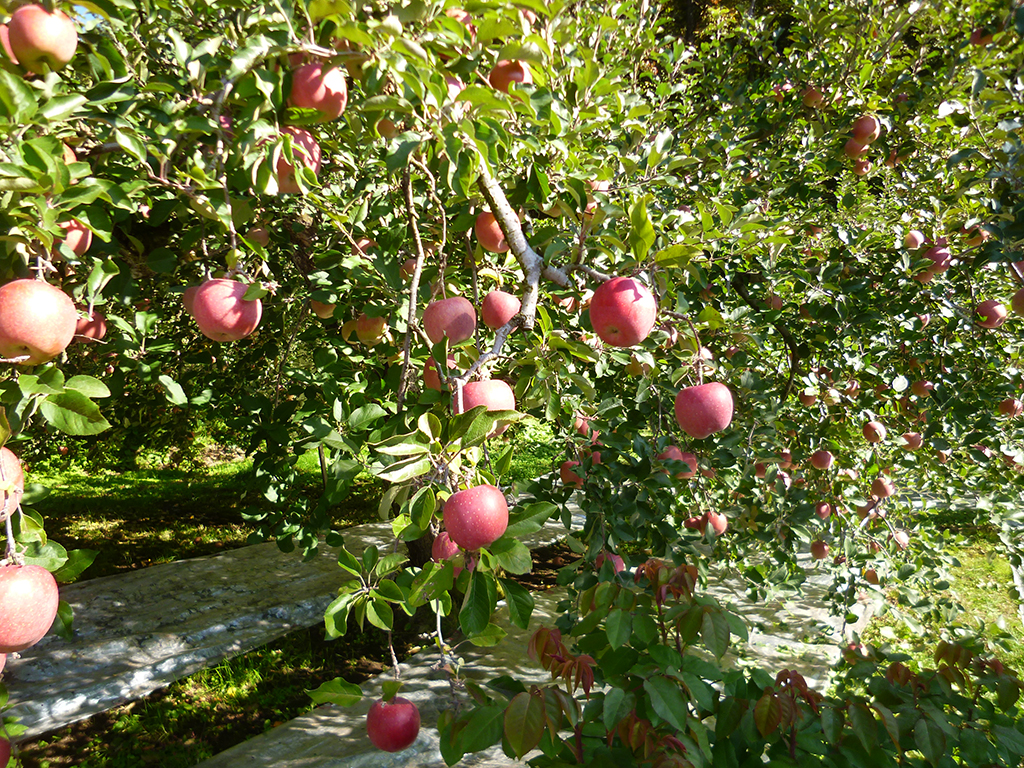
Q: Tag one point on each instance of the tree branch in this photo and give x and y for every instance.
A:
(794, 352)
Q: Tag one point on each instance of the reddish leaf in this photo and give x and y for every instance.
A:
(767, 713)
(525, 719)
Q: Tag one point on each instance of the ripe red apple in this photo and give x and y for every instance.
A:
(494, 394)
(882, 487)
(913, 240)
(912, 440)
(977, 236)
(37, 320)
(321, 309)
(874, 431)
(819, 550)
(719, 523)
(1011, 407)
(454, 318)
(393, 725)
(5, 44)
(506, 72)
(673, 453)
(623, 311)
(305, 150)
(902, 539)
(1017, 302)
(807, 398)
(980, 36)
(570, 478)
(443, 548)
(704, 409)
(94, 328)
(940, 256)
(617, 562)
(812, 97)
(313, 88)
(498, 308)
(370, 330)
(489, 234)
(854, 149)
(823, 510)
(582, 425)
(773, 301)
(785, 459)
(408, 269)
(41, 41)
(871, 576)
(760, 469)
(476, 517)
(77, 237)
(821, 460)
(866, 129)
(13, 480)
(991, 314)
(28, 605)
(431, 379)
(222, 314)
(696, 523)
(862, 167)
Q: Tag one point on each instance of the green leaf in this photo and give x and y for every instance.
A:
(380, 615)
(668, 701)
(530, 520)
(73, 413)
(864, 726)
(402, 471)
(641, 235)
(63, 622)
(715, 631)
(390, 563)
(386, 589)
(483, 729)
(519, 601)
(512, 555)
(618, 626)
(17, 99)
(479, 603)
(337, 692)
(930, 739)
(248, 55)
(361, 418)
(491, 636)
(336, 615)
(133, 145)
(525, 720)
(767, 713)
(88, 386)
(77, 561)
(172, 390)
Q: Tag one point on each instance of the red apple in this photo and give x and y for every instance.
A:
(454, 318)
(874, 431)
(37, 321)
(5, 44)
(882, 487)
(431, 379)
(673, 453)
(977, 236)
(991, 314)
(812, 97)
(489, 234)
(94, 328)
(386, 128)
(819, 550)
(618, 564)
(370, 330)
(321, 309)
(980, 36)
(1011, 407)
(28, 606)
(498, 308)
(807, 398)
(1017, 302)
(476, 517)
(570, 478)
(940, 256)
(443, 548)
(862, 167)
(494, 394)
(760, 469)
(222, 314)
(871, 576)
(77, 237)
(773, 301)
(704, 410)
(313, 88)
(12, 480)
(393, 725)
(785, 459)
(854, 149)
(623, 311)
(866, 129)
(902, 539)
(912, 440)
(821, 460)
(408, 269)
(823, 510)
(506, 72)
(305, 150)
(455, 87)
(41, 41)
(913, 240)
(719, 522)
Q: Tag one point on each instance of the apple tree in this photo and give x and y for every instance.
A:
(760, 285)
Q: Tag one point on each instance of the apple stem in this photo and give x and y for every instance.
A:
(394, 659)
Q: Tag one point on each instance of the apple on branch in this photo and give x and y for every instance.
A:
(221, 311)
(623, 311)
(28, 606)
(476, 517)
(91, 328)
(454, 318)
(494, 394)
(703, 410)
(507, 71)
(498, 308)
(37, 321)
(489, 234)
(393, 725)
(41, 41)
(315, 88)
(305, 150)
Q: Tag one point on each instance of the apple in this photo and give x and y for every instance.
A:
(370, 330)
(5, 744)
(812, 97)
(980, 36)
(454, 318)
(305, 150)
(313, 88)
(595, 186)
(992, 314)
(476, 517)
(506, 72)
(785, 459)
(37, 321)
(773, 301)
(443, 548)
(866, 129)
(882, 487)
(408, 268)
(1017, 302)
(902, 539)
(222, 313)
(760, 470)
(455, 87)
(862, 167)
(498, 308)
(807, 398)
(673, 453)
(258, 235)
(431, 379)
(823, 510)
(977, 237)
(582, 426)
(704, 409)
(5, 43)
(913, 240)
(489, 233)
(495, 394)
(871, 576)
(617, 562)
(874, 431)
(912, 440)
(393, 725)
(623, 311)
(41, 41)
(28, 606)
(321, 309)
(719, 523)
(854, 149)
(696, 523)
(940, 256)
(779, 91)
(819, 550)
(77, 237)
(13, 480)
(1011, 407)
(569, 478)
(93, 328)
(922, 388)
(821, 460)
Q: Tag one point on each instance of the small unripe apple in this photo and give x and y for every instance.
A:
(77, 237)
(990, 313)
(874, 431)
(819, 550)
(393, 725)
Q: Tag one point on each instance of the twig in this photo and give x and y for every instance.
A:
(414, 287)
(794, 352)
